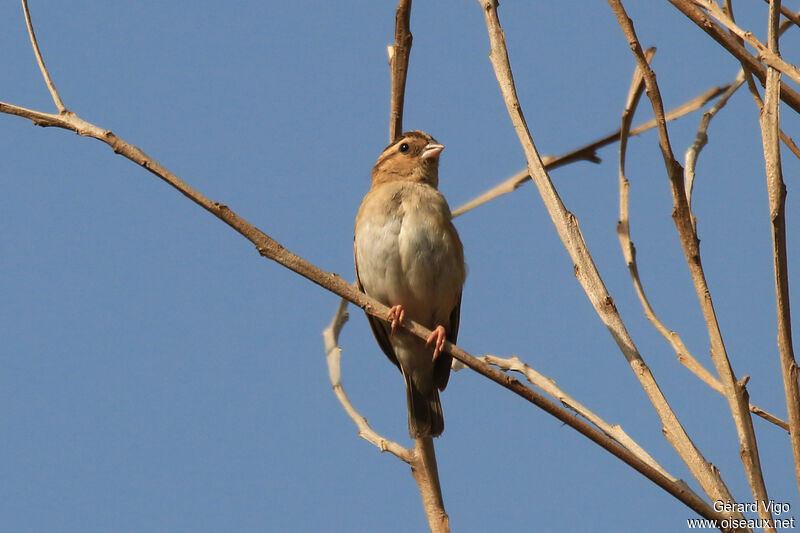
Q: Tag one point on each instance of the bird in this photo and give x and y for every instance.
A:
(408, 256)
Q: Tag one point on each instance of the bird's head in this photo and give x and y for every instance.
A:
(412, 157)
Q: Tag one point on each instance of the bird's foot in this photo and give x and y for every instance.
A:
(396, 316)
(437, 338)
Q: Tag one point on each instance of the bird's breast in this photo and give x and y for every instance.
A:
(408, 251)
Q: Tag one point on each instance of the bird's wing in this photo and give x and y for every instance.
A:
(380, 328)
(441, 369)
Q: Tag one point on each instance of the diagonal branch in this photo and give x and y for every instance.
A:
(791, 17)
(734, 390)
(554, 391)
(584, 153)
(271, 249)
(749, 62)
(701, 139)
(789, 143)
(772, 59)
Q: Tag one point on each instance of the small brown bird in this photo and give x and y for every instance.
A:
(409, 257)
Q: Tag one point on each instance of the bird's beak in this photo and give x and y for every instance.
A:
(432, 150)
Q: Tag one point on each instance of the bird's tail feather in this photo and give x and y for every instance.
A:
(424, 411)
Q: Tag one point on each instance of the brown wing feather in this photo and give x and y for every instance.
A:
(380, 328)
(441, 370)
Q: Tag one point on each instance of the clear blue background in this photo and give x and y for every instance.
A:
(157, 375)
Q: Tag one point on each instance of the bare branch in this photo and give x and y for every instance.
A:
(422, 459)
(398, 65)
(584, 153)
(549, 386)
(46, 75)
(333, 355)
(769, 119)
(701, 138)
(734, 390)
(426, 474)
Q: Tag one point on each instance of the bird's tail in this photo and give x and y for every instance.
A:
(424, 411)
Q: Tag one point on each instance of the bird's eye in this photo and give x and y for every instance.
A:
(404, 147)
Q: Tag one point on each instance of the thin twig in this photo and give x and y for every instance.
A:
(747, 72)
(333, 355)
(735, 390)
(549, 386)
(585, 270)
(584, 153)
(701, 138)
(422, 458)
(398, 65)
(769, 119)
(790, 144)
(47, 80)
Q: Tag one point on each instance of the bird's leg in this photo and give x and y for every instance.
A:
(396, 316)
(437, 337)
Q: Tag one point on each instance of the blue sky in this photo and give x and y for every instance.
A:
(158, 375)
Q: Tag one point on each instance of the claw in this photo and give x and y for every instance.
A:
(396, 316)
(439, 336)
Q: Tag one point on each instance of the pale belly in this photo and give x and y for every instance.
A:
(409, 258)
